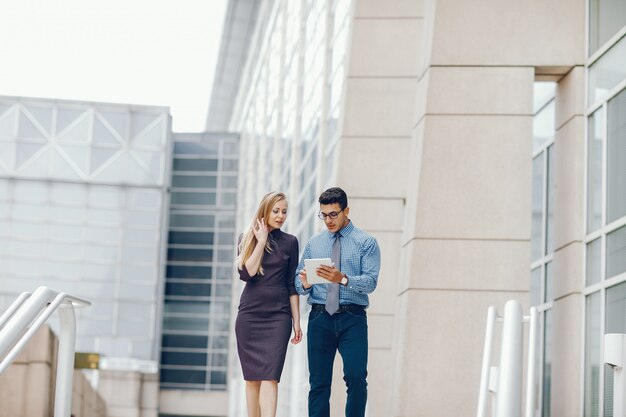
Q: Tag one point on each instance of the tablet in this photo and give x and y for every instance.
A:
(311, 266)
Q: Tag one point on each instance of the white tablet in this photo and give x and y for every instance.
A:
(311, 266)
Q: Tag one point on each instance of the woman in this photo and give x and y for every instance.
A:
(269, 306)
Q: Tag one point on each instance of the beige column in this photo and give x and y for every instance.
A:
(374, 156)
(569, 200)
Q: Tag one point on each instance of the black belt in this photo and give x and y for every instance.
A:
(342, 308)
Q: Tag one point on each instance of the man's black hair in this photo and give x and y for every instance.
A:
(334, 195)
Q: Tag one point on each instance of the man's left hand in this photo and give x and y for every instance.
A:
(330, 273)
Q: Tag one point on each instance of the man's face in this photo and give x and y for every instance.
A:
(328, 211)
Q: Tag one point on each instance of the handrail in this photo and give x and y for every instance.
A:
(507, 391)
(22, 320)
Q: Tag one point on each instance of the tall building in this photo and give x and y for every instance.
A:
(83, 200)
(199, 275)
(483, 144)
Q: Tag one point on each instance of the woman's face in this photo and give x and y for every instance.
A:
(278, 215)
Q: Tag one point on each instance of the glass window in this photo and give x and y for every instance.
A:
(183, 358)
(187, 307)
(550, 202)
(607, 72)
(194, 181)
(615, 323)
(537, 208)
(192, 220)
(193, 198)
(186, 323)
(184, 341)
(592, 355)
(197, 238)
(535, 287)
(547, 363)
(195, 255)
(189, 271)
(606, 18)
(594, 257)
(195, 148)
(594, 171)
(549, 282)
(183, 376)
(616, 252)
(616, 156)
(195, 164)
(187, 289)
(543, 126)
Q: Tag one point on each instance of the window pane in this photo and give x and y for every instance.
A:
(192, 181)
(181, 271)
(607, 72)
(187, 289)
(606, 18)
(592, 355)
(187, 307)
(535, 287)
(195, 164)
(186, 323)
(189, 220)
(616, 252)
(193, 148)
(183, 377)
(178, 341)
(593, 261)
(615, 323)
(193, 198)
(543, 126)
(547, 363)
(550, 202)
(197, 255)
(191, 238)
(616, 156)
(549, 296)
(594, 172)
(183, 358)
(537, 208)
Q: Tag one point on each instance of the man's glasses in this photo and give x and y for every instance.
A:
(333, 214)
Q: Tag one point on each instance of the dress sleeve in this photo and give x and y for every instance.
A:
(293, 264)
(243, 272)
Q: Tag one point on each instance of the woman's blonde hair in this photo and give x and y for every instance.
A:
(248, 241)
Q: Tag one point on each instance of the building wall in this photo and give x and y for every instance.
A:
(82, 200)
(27, 386)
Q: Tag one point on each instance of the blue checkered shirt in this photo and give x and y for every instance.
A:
(360, 261)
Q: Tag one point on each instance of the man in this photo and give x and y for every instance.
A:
(337, 320)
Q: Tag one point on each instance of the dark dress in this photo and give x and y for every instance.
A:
(263, 323)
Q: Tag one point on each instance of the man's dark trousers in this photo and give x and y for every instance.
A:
(345, 331)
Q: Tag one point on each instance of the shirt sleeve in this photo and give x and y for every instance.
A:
(293, 263)
(243, 272)
(366, 282)
(298, 282)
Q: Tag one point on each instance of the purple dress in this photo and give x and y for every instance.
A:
(264, 323)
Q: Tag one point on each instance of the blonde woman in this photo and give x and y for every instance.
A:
(269, 305)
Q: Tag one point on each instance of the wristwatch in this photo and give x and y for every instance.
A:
(344, 280)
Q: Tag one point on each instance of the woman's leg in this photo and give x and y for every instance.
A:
(252, 398)
(268, 398)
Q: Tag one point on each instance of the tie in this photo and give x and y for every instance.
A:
(332, 295)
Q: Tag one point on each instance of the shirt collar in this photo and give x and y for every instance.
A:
(345, 231)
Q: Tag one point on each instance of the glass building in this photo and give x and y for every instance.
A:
(83, 201)
(200, 253)
(484, 147)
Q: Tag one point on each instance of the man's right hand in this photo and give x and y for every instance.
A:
(305, 283)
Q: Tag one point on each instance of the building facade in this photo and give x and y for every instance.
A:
(475, 139)
(83, 200)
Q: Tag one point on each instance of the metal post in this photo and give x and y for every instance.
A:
(65, 361)
(510, 377)
(531, 393)
(484, 374)
(615, 356)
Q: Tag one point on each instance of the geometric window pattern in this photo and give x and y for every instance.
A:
(199, 268)
(87, 142)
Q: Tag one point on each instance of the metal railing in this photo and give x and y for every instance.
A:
(505, 381)
(21, 321)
